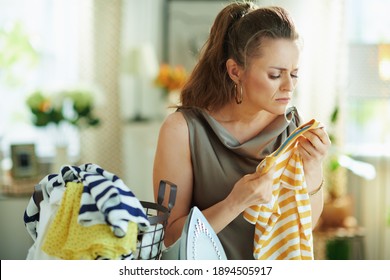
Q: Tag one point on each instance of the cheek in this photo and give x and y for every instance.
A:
(264, 86)
(258, 82)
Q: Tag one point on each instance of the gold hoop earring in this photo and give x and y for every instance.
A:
(238, 95)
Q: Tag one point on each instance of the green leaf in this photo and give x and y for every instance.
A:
(334, 164)
(335, 114)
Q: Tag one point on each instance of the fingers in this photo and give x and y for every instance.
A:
(254, 188)
(305, 147)
(318, 138)
(314, 144)
(321, 134)
(262, 184)
(258, 175)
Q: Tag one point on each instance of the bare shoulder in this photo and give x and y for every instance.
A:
(173, 140)
(175, 126)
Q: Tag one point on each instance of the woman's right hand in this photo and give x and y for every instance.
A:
(252, 189)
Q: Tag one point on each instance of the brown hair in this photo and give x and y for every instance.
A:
(237, 33)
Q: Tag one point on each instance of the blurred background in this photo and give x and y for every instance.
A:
(92, 80)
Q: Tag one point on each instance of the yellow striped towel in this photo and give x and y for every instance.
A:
(283, 226)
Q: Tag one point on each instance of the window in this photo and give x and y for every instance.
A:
(367, 103)
(51, 29)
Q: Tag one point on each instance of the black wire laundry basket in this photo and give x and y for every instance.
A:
(150, 241)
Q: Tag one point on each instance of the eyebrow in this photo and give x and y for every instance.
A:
(283, 69)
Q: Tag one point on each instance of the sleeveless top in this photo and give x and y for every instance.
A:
(219, 161)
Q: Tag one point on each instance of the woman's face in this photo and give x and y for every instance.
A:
(270, 80)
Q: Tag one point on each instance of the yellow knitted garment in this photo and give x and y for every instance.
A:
(283, 228)
(69, 240)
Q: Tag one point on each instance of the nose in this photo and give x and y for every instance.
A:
(288, 84)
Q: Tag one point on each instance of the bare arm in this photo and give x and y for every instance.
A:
(313, 147)
(173, 163)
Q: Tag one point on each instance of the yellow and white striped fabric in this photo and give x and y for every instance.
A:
(283, 226)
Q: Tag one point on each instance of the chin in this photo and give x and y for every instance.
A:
(280, 110)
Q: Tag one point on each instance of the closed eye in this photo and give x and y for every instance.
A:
(294, 76)
(274, 77)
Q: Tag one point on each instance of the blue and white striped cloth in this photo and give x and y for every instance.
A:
(105, 199)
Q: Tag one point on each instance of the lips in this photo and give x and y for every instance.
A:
(284, 99)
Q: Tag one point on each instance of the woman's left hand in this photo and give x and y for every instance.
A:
(313, 148)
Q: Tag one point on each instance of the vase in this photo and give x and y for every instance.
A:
(60, 159)
(59, 135)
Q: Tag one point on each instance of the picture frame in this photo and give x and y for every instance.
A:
(24, 161)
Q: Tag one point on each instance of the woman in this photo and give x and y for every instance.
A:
(234, 112)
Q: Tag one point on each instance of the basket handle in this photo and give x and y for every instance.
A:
(172, 193)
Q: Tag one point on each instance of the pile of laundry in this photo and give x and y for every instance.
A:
(84, 213)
